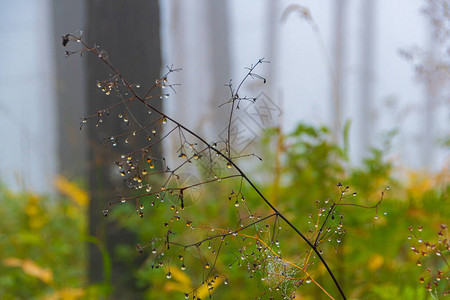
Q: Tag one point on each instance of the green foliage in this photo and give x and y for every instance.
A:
(373, 260)
(42, 248)
(43, 241)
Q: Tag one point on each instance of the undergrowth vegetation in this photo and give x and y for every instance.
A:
(43, 241)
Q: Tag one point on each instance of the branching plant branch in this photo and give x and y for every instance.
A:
(226, 156)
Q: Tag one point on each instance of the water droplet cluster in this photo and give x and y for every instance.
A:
(432, 254)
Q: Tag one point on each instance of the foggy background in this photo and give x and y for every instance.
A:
(342, 64)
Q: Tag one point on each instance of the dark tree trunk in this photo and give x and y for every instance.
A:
(129, 32)
(70, 90)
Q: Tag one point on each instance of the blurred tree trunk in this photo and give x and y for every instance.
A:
(219, 60)
(129, 33)
(70, 90)
(432, 91)
(198, 41)
(339, 35)
(365, 113)
(272, 44)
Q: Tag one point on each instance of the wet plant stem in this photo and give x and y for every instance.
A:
(277, 213)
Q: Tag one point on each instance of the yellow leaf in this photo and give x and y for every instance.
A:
(203, 291)
(37, 218)
(69, 189)
(175, 286)
(181, 276)
(12, 262)
(375, 262)
(183, 284)
(183, 281)
(30, 268)
(32, 208)
(66, 294)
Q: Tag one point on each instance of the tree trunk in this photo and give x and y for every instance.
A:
(366, 117)
(339, 61)
(70, 89)
(129, 33)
